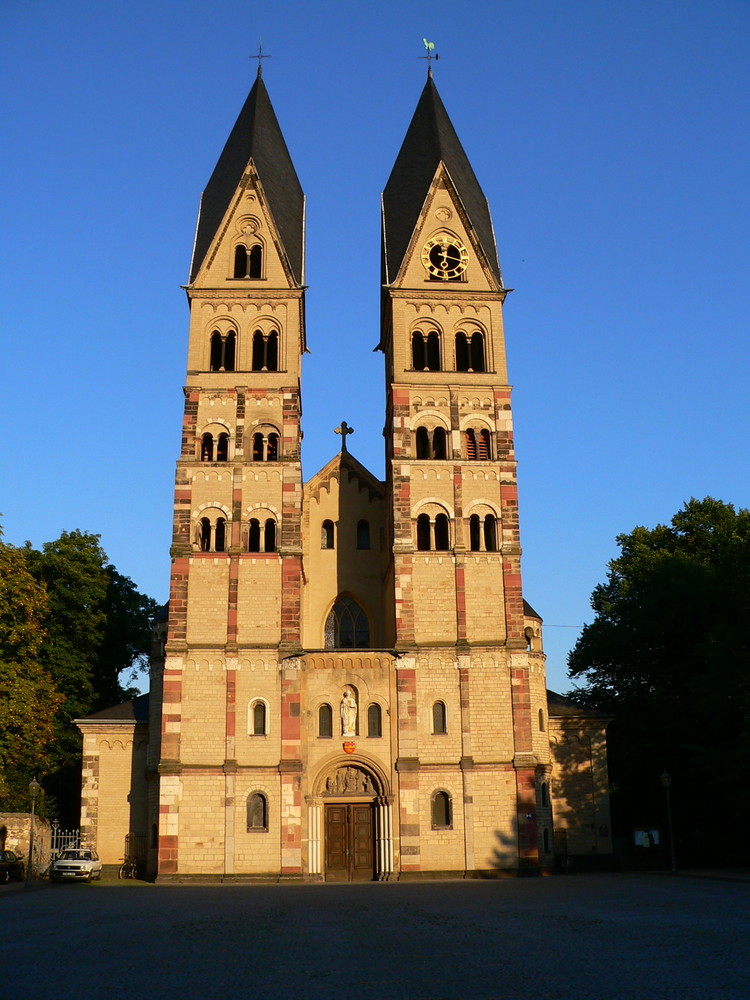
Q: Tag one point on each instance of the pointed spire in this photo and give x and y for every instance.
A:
(256, 136)
(429, 140)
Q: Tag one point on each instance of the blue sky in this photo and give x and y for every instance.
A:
(612, 140)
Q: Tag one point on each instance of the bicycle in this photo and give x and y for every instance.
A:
(128, 869)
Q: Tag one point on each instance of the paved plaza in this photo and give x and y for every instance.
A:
(576, 937)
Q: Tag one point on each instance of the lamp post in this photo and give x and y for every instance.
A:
(34, 789)
(666, 784)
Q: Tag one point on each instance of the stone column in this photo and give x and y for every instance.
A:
(384, 837)
(314, 836)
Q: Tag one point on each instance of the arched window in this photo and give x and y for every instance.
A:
(347, 626)
(433, 351)
(418, 351)
(265, 351)
(431, 446)
(248, 263)
(255, 269)
(474, 533)
(269, 535)
(439, 721)
(326, 535)
(541, 720)
(470, 352)
(253, 535)
(220, 535)
(442, 818)
(485, 449)
(477, 352)
(325, 722)
(433, 533)
(261, 540)
(257, 813)
(425, 351)
(229, 349)
(363, 534)
(207, 448)
(211, 534)
(423, 532)
(374, 721)
(217, 351)
(222, 448)
(240, 261)
(265, 446)
(258, 719)
(205, 540)
(528, 635)
(490, 533)
(471, 444)
(438, 443)
(222, 351)
(462, 352)
(442, 533)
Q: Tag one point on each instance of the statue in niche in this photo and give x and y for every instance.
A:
(349, 712)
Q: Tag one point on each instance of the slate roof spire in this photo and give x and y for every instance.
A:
(256, 136)
(429, 140)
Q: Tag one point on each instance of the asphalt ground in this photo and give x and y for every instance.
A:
(574, 937)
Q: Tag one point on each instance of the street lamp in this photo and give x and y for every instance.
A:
(34, 789)
(666, 784)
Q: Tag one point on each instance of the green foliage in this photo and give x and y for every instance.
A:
(71, 628)
(668, 654)
(28, 698)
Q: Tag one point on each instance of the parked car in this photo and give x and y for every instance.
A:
(80, 863)
(11, 866)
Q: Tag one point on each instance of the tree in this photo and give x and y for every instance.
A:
(98, 627)
(28, 697)
(72, 629)
(668, 655)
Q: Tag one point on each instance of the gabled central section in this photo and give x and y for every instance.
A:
(345, 559)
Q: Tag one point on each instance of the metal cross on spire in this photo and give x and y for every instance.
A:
(431, 54)
(259, 57)
(343, 430)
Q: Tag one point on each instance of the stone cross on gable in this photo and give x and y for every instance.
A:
(343, 430)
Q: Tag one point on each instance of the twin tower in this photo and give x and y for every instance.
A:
(352, 686)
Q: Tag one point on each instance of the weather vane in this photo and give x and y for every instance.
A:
(260, 56)
(431, 54)
(343, 430)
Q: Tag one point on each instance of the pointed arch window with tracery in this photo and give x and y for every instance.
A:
(347, 626)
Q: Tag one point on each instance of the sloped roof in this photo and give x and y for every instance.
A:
(135, 710)
(429, 140)
(529, 612)
(344, 461)
(559, 705)
(256, 136)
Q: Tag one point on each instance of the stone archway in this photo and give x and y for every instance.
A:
(350, 823)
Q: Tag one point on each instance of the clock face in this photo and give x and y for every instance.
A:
(445, 257)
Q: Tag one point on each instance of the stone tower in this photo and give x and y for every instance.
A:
(236, 552)
(465, 658)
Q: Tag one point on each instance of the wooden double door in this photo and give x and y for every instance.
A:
(349, 833)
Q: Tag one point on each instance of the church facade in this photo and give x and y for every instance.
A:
(349, 683)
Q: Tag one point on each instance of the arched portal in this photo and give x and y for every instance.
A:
(350, 822)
